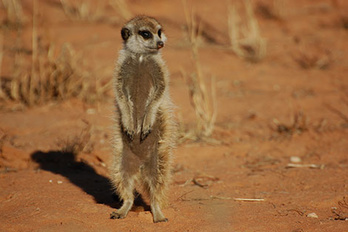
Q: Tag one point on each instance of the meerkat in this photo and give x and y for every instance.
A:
(145, 129)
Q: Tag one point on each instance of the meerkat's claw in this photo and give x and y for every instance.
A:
(144, 134)
(161, 220)
(115, 215)
(130, 134)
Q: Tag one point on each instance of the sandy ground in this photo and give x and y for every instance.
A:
(289, 108)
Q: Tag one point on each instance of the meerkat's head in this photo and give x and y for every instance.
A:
(142, 35)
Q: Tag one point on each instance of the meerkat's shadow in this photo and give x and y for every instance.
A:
(82, 175)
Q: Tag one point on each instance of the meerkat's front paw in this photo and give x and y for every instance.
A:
(128, 128)
(130, 134)
(146, 126)
(145, 131)
(144, 134)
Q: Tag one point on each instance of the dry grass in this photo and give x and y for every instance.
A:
(3, 137)
(313, 59)
(78, 143)
(55, 74)
(202, 99)
(14, 13)
(344, 22)
(83, 10)
(297, 125)
(245, 38)
(121, 7)
(2, 94)
(341, 213)
(272, 10)
(53, 78)
(94, 11)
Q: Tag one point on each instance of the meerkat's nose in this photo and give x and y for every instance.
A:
(160, 44)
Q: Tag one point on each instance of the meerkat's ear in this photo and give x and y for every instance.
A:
(125, 32)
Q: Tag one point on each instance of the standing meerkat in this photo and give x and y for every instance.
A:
(145, 129)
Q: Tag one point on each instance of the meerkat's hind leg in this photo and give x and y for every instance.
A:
(156, 191)
(123, 211)
(126, 192)
(157, 213)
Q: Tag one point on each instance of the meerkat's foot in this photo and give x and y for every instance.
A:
(147, 124)
(164, 219)
(157, 213)
(116, 215)
(123, 211)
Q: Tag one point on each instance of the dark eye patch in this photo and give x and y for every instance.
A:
(145, 34)
(159, 33)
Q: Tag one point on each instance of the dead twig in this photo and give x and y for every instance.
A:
(249, 199)
(337, 112)
(186, 183)
(204, 181)
(315, 166)
(342, 212)
(211, 197)
(220, 198)
(181, 197)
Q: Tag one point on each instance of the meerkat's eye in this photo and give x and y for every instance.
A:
(159, 33)
(145, 34)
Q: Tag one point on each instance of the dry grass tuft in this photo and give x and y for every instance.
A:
(2, 94)
(272, 10)
(14, 13)
(341, 213)
(203, 99)
(83, 10)
(344, 22)
(313, 60)
(121, 7)
(78, 143)
(94, 11)
(55, 74)
(53, 78)
(246, 40)
(3, 137)
(298, 125)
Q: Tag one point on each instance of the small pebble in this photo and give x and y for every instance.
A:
(312, 215)
(59, 182)
(295, 159)
(50, 181)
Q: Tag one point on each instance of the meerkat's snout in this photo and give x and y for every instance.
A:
(160, 44)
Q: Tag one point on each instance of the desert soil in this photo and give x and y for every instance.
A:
(280, 135)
